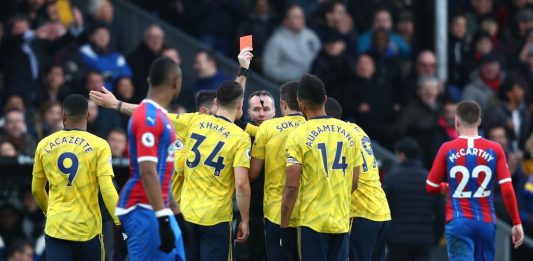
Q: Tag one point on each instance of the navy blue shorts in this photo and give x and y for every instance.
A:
(211, 243)
(322, 246)
(60, 249)
(274, 250)
(470, 240)
(368, 239)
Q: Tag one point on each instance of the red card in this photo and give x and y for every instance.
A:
(246, 41)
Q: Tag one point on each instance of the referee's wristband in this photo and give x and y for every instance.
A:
(164, 212)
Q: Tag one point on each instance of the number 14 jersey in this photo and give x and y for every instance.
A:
(471, 166)
(213, 146)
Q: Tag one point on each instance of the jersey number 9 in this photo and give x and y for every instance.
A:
(72, 170)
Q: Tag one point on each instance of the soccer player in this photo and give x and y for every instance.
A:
(143, 208)
(216, 165)
(76, 164)
(269, 151)
(471, 165)
(369, 211)
(323, 163)
(205, 102)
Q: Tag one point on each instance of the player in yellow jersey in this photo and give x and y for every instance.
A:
(269, 151)
(323, 163)
(370, 210)
(215, 167)
(76, 164)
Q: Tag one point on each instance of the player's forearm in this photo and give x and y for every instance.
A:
(152, 187)
(256, 165)
(109, 195)
(509, 200)
(241, 80)
(290, 193)
(355, 181)
(126, 108)
(38, 189)
(243, 194)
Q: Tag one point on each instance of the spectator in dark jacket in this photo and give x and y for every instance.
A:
(417, 217)
(457, 50)
(140, 59)
(53, 88)
(15, 131)
(208, 76)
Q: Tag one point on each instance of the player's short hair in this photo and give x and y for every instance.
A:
(205, 98)
(311, 90)
(469, 112)
(262, 93)
(333, 108)
(75, 105)
(408, 146)
(288, 92)
(162, 71)
(229, 93)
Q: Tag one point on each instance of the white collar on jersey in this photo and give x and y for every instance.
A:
(468, 137)
(155, 104)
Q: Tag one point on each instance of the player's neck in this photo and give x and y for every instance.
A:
(227, 114)
(291, 112)
(160, 97)
(315, 113)
(75, 126)
(468, 132)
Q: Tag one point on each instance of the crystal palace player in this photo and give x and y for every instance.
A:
(471, 165)
(153, 233)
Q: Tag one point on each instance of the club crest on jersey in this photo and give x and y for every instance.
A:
(148, 139)
(292, 160)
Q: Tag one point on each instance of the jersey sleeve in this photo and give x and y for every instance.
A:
(358, 146)
(146, 136)
(242, 153)
(293, 149)
(502, 170)
(438, 171)
(103, 164)
(258, 150)
(181, 123)
(38, 169)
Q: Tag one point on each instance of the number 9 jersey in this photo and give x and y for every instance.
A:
(213, 146)
(471, 166)
(72, 161)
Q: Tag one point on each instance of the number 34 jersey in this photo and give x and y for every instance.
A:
(471, 166)
(213, 146)
(72, 161)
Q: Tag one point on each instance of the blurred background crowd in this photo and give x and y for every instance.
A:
(375, 56)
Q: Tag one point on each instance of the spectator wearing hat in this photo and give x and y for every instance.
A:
(332, 64)
(485, 83)
(417, 217)
(99, 56)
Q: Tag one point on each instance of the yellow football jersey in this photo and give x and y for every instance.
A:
(369, 200)
(213, 147)
(328, 151)
(269, 145)
(72, 161)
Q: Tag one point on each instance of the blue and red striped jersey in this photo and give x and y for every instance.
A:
(471, 166)
(151, 137)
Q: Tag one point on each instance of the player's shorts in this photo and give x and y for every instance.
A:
(142, 228)
(322, 246)
(368, 239)
(470, 240)
(60, 249)
(274, 250)
(211, 242)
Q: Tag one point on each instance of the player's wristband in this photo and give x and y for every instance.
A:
(119, 106)
(164, 212)
(243, 72)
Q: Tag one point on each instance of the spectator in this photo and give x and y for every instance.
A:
(93, 82)
(10, 224)
(50, 119)
(172, 53)
(485, 83)
(406, 27)
(332, 64)
(103, 12)
(512, 113)
(7, 149)
(369, 99)
(98, 55)
(524, 24)
(383, 20)
(291, 49)
(15, 131)
(337, 19)
(20, 250)
(457, 50)
(208, 76)
(53, 88)
(117, 142)
(419, 119)
(124, 90)
(260, 23)
(36, 11)
(426, 66)
(482, 46)
(480, 8)
(101, 120)
(417, 217)
(140, 59)
(363, 11)
(32, 217)
(447, 120)
(14, 102)
(387, 64)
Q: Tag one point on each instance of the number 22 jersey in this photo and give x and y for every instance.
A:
(471, 166)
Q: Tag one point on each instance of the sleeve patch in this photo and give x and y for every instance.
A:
(148, 139)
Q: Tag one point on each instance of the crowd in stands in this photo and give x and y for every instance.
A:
(363, 50)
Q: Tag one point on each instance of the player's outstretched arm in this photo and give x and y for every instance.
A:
(243, 194)
(109, 195)
(38, 189)
(290, 193)
(108, 100)
(256, 165)
(355, 181)
(244, 58)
